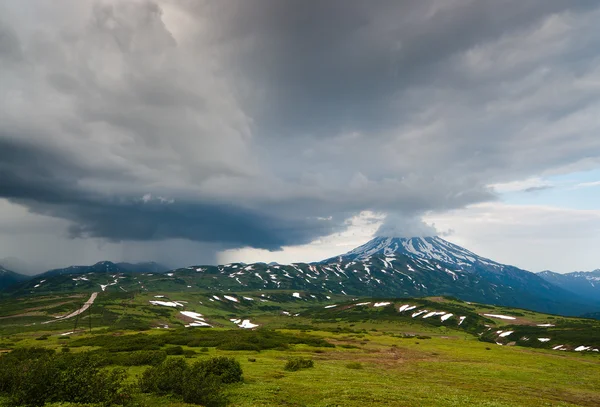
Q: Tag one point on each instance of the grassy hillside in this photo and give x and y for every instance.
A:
(369, 354)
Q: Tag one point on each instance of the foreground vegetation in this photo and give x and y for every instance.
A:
(343, 355)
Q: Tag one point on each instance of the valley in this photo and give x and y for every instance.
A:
(416, 351)
(411, 322)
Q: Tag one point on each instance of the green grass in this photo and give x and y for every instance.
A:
(403, 361)
(439, 371)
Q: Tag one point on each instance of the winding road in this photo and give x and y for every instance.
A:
(81, 310)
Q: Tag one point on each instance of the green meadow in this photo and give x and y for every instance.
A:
(362, 356)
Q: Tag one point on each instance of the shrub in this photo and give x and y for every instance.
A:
(201, 383)
(251, 360)
(227, 369)
(64, 349)
(164, 378)
(42, 338)
(124, 343)
(354, 365)
(33, 377)
(174, 350)
(298, 363)
(204, 390)
(138, 358)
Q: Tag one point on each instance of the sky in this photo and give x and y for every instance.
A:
(197, 132)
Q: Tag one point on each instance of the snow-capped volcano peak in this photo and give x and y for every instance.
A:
(428, 248)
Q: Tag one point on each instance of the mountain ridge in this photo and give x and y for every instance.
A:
(9, 278)
(584, 283)
(390, 267)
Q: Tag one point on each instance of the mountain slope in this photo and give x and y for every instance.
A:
(524, 288)
(584, 284)
(9, 278)
(108, 267)
(384, 267)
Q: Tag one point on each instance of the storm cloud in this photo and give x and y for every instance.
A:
(270, 123)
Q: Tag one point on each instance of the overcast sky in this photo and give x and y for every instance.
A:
(189, 132)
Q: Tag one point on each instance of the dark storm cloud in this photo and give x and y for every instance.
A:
(340, 65)
(269, 123)
(47, 182)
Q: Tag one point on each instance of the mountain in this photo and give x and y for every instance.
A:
(9, 278)
(108, 267)
(383, 267)
(585, 284)
(144, 267)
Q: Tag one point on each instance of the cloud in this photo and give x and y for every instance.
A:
(539, 188)
(533, 237)
(588, 184)
(269, 124)
(401, 226)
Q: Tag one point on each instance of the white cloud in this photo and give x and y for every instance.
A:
(360, 229)
(588, 184)
(534, 238)
(522, 185)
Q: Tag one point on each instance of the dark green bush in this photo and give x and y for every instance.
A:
(138, 358)
(226, 369)
(33, 377)
(201, 383)
(64, 349)
(298, 363)
(204, 390)
(165, 378)
(174, 350)
(354, 365)
(123, 343)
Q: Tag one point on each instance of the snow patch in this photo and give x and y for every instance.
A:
(167, 303)
(499, 316)
(198, 323)
(192, 314)
(416, 314)
(246, 324)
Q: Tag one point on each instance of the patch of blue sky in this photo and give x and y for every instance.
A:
(579, 190)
